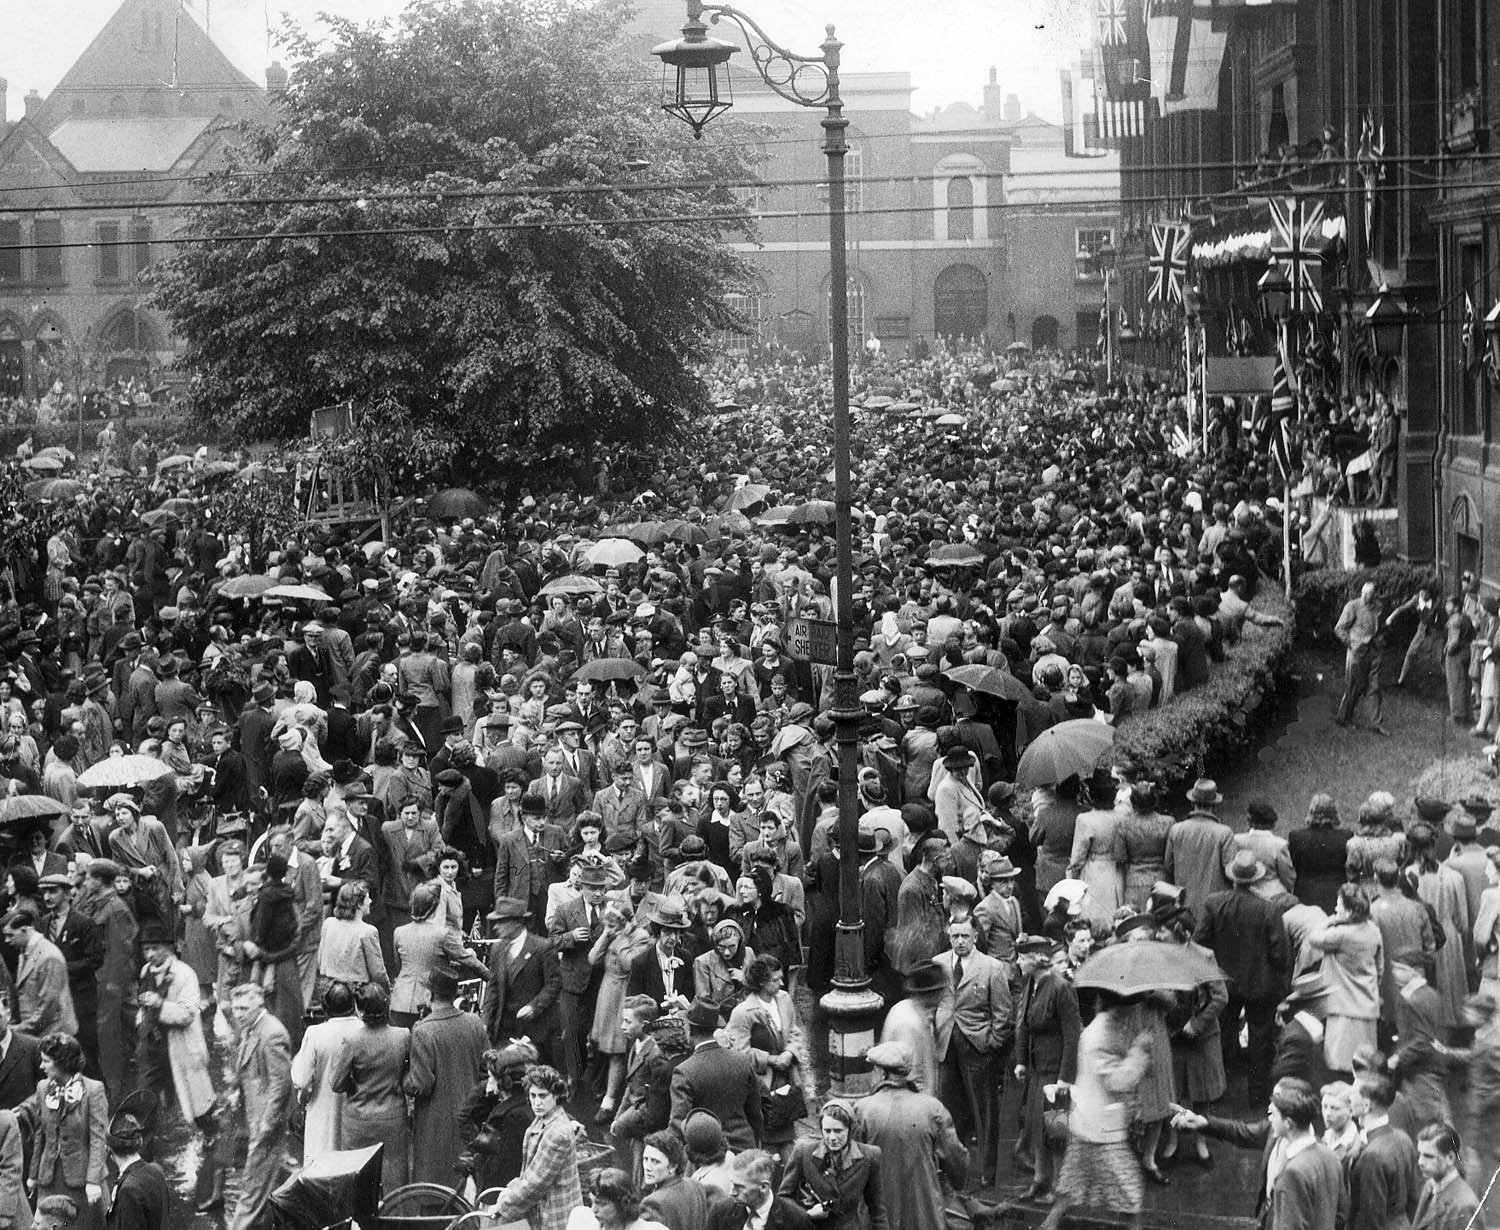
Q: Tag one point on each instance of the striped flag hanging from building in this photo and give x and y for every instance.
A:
(1187, 52)
(1118, 119)
(1283, 410)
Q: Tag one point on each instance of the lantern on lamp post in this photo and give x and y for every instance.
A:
(1385, 322)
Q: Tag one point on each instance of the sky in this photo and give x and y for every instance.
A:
(948, 46)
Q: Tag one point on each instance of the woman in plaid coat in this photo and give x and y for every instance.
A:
(547, 1189)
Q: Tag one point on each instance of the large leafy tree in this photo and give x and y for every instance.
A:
(497, 265)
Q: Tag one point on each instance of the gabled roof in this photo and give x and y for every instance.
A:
(148, 45)
(151, 143)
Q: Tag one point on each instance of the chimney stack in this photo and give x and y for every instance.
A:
(33, 102)
(1012, 108)
(276, 78)
(991, 106)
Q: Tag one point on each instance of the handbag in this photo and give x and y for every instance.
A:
(783, 1106)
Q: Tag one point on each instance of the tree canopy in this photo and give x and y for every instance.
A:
(448, 215)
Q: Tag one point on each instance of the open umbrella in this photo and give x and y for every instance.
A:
(457, 502)
(776, 515)
(249, 586)
(687, 531)
(255, 470)
(117, 772)
(1077, 377)
(52, 489)
(609, 670)
(175, 460)
(158, 518)
(180, 506)
(651, 533)
(1147, 965)
(750, 495)
(813, 512)
(1018, 348)
(30, 807)
(990, 680)
(217, 469)
(571, 586)
(299, 593)
(58, 451)
(612, 552)
(1061, 751)
(731, 522)
(1005, 386)
(956, 555)
(43, 463)
(951, 420)
(903, 407)
(879, 402)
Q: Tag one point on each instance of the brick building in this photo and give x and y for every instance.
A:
(130, 128)
(964, 222)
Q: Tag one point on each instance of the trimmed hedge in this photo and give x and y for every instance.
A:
(1320, 595)
(1175, 744)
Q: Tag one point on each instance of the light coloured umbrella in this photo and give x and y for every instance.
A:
(298, 593)
(951, 420)
(58, 451)
(43, 463)
(613, 552)
(749, 496)
(29, 807)
(571, 586)
(249, 586)
(115, 772)
(52, 489)
(1063, 751)
(174, 461)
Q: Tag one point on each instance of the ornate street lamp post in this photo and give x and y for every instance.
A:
(700, 92)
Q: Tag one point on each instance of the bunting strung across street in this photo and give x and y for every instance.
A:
(1170, 242)
(1297, 246)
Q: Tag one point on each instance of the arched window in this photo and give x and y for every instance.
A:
(856, 312)
(960, 302)
(960, 207)
(1044, 332)
(750, 306)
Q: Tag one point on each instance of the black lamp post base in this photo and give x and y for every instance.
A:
(854, 1009)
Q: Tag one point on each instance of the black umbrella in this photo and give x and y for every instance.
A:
(457, 502)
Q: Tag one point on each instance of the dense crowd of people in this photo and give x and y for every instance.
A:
(439, 841)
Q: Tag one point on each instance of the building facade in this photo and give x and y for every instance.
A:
(963, 223)
(88, 178)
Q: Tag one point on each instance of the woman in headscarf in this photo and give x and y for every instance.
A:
(719, 973)
(620, 941)
(494, 1118)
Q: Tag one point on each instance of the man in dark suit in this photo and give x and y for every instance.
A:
(1246, 934)
(230, 790)
(563, 796)
(1383, 1179)
(575, 928)
(139, 1198)
(353, 860)
(716, 1079)
(256, 723)
(662, 971)
(1300, 1020)
(646, 1105)
(753, 1202)
(343, 735)
(530, 858)
(20, 1065)
(82, 947)
(1308, 1193)
(525, 980)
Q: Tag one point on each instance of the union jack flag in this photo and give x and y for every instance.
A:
(1471, 332)
(1112, 22)
(1169, 261)
(1297, 246)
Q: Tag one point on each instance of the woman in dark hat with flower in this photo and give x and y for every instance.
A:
(494, 1117)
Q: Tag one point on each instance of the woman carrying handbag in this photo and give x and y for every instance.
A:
(764, 1026)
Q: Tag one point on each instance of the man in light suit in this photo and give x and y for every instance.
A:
(42, 1002)
(1200, 847)
(575, 928)
(263, 1072)
(525, 980)
(563, 795)
(411, 846)
(973, 1029)
(530, 858)
(622, 804)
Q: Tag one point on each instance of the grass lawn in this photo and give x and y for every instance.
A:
(1308, 753)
